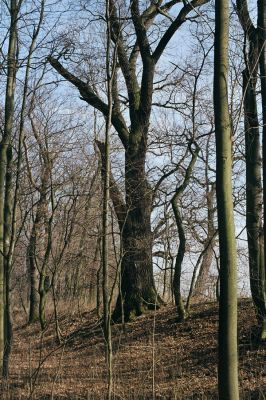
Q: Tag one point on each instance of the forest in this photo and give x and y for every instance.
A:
(132, 192)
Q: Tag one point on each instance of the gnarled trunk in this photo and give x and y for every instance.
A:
(137, 285)
(138, 290)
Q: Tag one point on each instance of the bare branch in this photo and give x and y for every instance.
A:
(88, 95)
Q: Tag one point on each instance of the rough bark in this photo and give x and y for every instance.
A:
(44, 279)
(107, 293)
(37, 256)
(262, 63)
(6, 195)
(33, 273)
(7, 261)
(181, 312)
(137, 287)
(134, 222)
(253, 163)
(253, 183)
(228, 358)
(32, 256)
(115, 193)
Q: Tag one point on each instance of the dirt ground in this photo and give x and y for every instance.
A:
(154, 358)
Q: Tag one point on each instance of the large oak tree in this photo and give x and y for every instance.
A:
(134, 214)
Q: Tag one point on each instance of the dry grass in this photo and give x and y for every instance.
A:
(155, 358)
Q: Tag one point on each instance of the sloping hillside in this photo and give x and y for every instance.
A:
(155, 358)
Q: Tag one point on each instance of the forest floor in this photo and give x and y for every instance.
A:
(155, 358)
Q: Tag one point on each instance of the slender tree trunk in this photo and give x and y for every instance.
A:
(254, 196)
(2, 267)
(254, 190)
(181, 312)
(6, 195)
(107, 297)
(228, 358)
(165, 276)
(44, 280)
(99, 280)
(30, 254)
(202, 279)
(7, 261)
(57, 327)
(262, 62)
(33, 275)
(36, 281)
(42, 301)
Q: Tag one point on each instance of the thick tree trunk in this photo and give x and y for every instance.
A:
(138, 291)
(137, 286)
(228, 358)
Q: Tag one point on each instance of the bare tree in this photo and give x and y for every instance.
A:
(181, 312)
(6, 200)
(261, 27)
(253, 164)
(138, 290)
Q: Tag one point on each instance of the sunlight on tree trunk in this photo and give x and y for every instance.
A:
(5, 194)
(228, 358)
